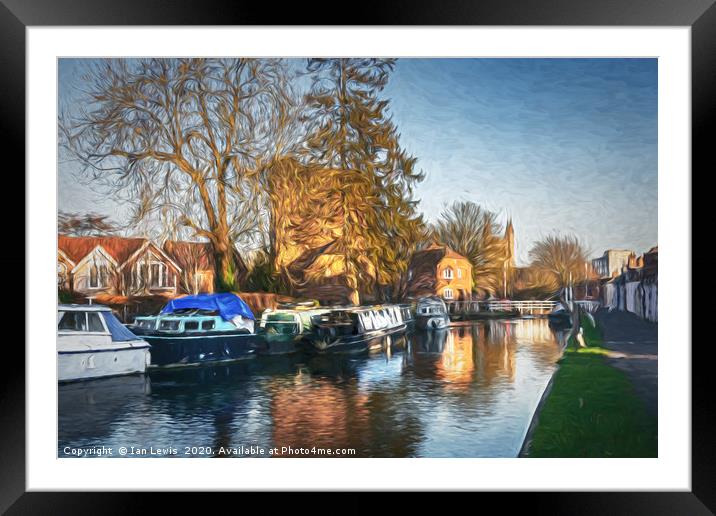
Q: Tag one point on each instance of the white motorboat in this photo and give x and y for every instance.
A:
(92, 343)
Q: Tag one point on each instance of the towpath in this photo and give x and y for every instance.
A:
(633, 347)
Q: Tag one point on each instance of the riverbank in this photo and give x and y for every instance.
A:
(602, 401)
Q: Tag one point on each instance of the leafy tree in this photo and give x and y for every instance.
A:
(473, 232)
(349, 129)
(187, 138)
(319, 221)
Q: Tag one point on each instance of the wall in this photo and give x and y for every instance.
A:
(456, 284)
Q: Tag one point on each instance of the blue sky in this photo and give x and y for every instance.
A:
(566, 145)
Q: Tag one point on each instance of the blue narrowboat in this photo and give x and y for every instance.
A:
(199, 329)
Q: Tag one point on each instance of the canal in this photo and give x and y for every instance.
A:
(469, 391)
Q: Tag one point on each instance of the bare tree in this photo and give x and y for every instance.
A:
(473, 232)
(84, 224)
(186, 140)
(563, 258)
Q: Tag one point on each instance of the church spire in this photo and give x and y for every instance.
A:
(510, 241)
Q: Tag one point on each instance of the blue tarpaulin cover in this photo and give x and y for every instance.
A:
(119, 332)
(228, 305)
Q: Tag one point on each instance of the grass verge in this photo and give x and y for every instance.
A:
(592, 410)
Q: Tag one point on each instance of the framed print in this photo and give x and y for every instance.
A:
(411, 258)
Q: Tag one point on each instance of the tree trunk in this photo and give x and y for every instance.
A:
(226, 273)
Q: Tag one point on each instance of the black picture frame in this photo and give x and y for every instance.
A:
(16, 15)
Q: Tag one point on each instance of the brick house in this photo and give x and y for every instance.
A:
(117, 266)
(438, 270)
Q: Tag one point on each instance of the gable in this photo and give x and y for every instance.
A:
(149, 253)
(98, 256)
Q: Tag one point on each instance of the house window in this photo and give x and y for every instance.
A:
(159, 274)
(142, 276)
(447, 293)
(447, 273)
(207, 325)
(97, 276)
(459, 273)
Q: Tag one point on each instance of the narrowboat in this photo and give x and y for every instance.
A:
(354, 330)
(92, 343)
(281, 330)
(431, 314)
(194, 330)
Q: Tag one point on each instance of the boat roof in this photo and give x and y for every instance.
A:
(83, 308)
(362, 308)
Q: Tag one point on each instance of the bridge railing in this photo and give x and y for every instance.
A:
(529, 307)
(455, 307)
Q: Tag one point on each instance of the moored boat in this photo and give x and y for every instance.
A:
(354, 330)
(431, 314)
(281, 330)
(92, 343)
(204, 328)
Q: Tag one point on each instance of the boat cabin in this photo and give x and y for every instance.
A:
(94, 322)
(186, 321)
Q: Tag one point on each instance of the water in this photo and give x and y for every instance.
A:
(469, 391)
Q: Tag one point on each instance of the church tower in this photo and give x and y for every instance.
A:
(509, 239)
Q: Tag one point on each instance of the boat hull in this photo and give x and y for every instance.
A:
(432, 322)
(484, 315)
(168, 351)
(279, 344)
(360, 343)
(101, 363)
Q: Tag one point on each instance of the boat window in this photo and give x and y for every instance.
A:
(367, 323)
(207, 325)
(169, 325)
(73, 321)
(282, 328)
(146, 323)
(94, 322)
(375, 320)
(191, 325)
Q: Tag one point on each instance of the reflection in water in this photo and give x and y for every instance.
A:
(467, 391)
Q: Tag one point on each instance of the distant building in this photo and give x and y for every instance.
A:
(612, 263)
(438, 270)
(650, 262)
(115, 266)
